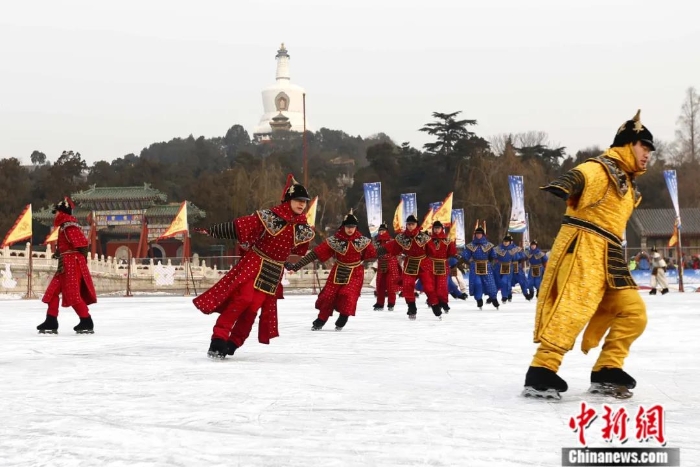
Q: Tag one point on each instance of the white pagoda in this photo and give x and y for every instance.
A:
(282, 102)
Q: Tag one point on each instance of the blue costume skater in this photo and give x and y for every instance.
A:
(479, 254)
(507, 269)
(538, 261)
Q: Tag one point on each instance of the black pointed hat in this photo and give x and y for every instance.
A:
(437, 224)
(632, 131)
(66, 205)
(534, 242)
(350, 220)
(479, 230)
(411, 218)
(383, 226)
(294, 190)
(508, 238)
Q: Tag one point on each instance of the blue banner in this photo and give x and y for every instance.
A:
(458, 226)
(373, 202)
(435, 206)
(517, 221)
(410, 205)
(672, 185)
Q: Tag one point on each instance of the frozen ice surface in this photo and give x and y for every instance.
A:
(385, 391)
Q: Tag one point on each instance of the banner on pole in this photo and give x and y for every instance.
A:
(672, 185)
(178, 225)
(457, 229)
(517, 222)
(399, 218)
(311, 212)
(373, 203)
(443, 211)
(410, 206)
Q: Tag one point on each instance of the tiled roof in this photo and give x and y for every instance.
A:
(114, 193)
(167, 211)
(659, 222)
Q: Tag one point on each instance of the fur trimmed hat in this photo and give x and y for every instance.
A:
(633, 131)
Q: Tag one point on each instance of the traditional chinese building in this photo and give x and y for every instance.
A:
(119, 214)
(283, 102)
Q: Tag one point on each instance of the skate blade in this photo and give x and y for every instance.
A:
(338, 328)
(550, 394)
(215, 355)
(47, 332)
(85, 332)
(412, 317)
(315, 328)
(612, 390)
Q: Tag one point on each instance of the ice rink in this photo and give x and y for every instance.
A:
(385, 391)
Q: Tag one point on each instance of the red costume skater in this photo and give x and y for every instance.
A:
(344, 284)
(254, 283)
(438, 250)
(411, 243)
(388, 273)
(72, 279)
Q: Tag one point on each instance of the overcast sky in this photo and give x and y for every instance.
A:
(110, 78)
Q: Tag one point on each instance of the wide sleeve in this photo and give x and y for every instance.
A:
(569, 185)
(451, 249)
(324, 252)
(393, 248)
(370, 252)
(301, 249)
(466, 255)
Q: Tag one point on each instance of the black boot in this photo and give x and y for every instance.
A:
(85, 326)
(412, 310)
(437, 311)
(495, 303)
(231, 348)
(317, 325)
(480, 303)
(544, 383)
(391, 307)
(445, 307)
(378, 307)
(217, 349)
(49, 326)
(463, 296)
(614, 376)
(341, 322)
(664, 291)
(652, 292)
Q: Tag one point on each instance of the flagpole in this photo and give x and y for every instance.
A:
(30, 272)
(187, 266)
(303, 139)
(680, 266)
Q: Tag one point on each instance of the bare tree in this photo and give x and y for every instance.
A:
(687, 144)
(532, 138)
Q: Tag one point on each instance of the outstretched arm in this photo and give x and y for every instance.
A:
(307, 259)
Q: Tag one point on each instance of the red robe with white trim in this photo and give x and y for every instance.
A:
(274, 234)
(344, 283)
(74, 282)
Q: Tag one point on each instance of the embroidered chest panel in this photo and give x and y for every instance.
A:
(438, 242)
(486, 247)
(338, 245)
(405, 241)
(303, 233)
(272, 222)
(361, 243)
(619, 177)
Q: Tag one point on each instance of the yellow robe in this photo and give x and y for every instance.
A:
(573, 285)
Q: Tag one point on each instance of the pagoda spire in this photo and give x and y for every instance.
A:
(282, 58)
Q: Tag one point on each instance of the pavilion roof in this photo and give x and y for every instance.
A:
(659, 222)
(167, 211)
(112, 193)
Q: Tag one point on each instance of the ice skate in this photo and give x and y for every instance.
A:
(437, 311)
(412, 310)
(613, 382)
(495, 303)
(543, 383)
(49, 326)
(652, 292)
(231, 348)
(480, 303)
(341, 322)
(664, 291)
(217, 349)
(85, 326)
(391, 308)
(378, 307)
(445, 307)
(317, 325)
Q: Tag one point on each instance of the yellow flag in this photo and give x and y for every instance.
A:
(179, 224)
(52, 237)
(311, 212)
(427, 221)
(398, 218)
(674, 237)
(444, 212)
(22, 230)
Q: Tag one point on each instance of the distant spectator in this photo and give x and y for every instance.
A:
(643, 261)
(633, 264)
(671, 263)
(696, 262)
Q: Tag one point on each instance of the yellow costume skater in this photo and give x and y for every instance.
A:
(587, 282)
